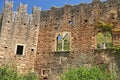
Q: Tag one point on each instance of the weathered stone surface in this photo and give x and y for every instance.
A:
(38, 32)
(18, 28)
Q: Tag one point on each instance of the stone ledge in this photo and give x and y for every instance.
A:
(61, 53)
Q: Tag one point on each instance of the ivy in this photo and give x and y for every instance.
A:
(105, 27)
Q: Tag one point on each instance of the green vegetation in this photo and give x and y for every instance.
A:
(63, 43)
(9, 74)
(66, 45)
(105, 36)
(59, 45)
(83, 73)
(105, 27)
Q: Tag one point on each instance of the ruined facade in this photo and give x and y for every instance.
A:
(18, 37)
(30, 41)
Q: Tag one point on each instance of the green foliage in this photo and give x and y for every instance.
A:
(83, 73)
(66, 45)
(106, 36)
(9, 74)
(105, 26)
(116, 53)
(66, 42)
(101, 38)
(59, 45)
(30, 76)
(116, 47)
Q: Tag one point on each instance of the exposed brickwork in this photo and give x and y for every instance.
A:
(38, 32)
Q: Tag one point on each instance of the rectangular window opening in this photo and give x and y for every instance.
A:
(19, 50)
(45, 72)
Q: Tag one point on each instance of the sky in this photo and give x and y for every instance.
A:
(43, 4)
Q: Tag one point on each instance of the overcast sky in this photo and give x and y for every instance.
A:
(44, 4)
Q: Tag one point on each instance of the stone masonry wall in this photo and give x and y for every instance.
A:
(19, 28)
(38, 32)
(78, 20)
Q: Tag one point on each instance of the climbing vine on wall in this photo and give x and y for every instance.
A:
(106, 32)
(105, 27)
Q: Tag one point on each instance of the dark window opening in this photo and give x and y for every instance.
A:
(37, 53)
(24, 23)
(45, 78)
(94, 20)
(85, 20)
(43, 52)
(8, 21)
(32, 49)
(110, 6)
(19, 50)
(6, 47)
(72, 16)
(56, 27)
(113, 18)
(56, 18)
(70, 22)
(45, 72)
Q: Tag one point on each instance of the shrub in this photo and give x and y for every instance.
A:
(83, 73)
(8, 74)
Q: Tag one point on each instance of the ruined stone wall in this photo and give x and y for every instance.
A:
(40, 50)
(84, 18)
(1, 17)
(19, 29)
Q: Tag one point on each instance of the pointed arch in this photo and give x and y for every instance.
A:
(108, 39)
(59, 42)
(99, 40)
(104, 40)
(66, 42)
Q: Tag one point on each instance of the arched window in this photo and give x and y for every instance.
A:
(66, 42)
(63, 42)
(59, 42)
(99, 40)
(108, 39)
(104, 40)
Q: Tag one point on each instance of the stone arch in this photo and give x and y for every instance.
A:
(59, 42)
(99, 40)
(103, 40)
(66, 42)
(109, 39)
(63, 41)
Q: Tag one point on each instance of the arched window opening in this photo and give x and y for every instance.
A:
(108, 37)
(99, 40)
(66, 42)
(59, 42)
(104, 40)
(63, 42)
